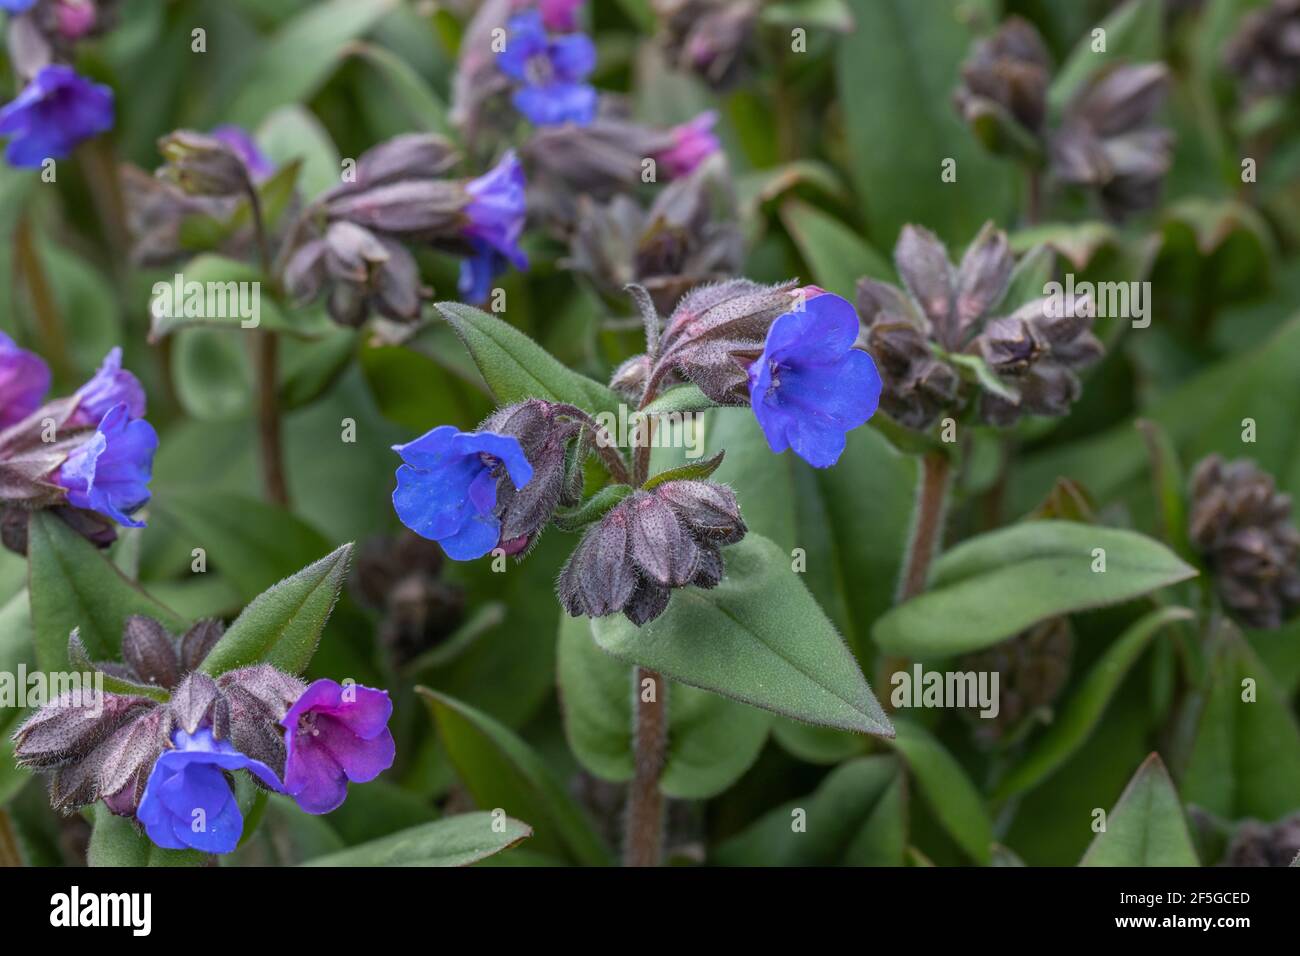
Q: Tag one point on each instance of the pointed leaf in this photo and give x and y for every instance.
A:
(947, 789)
(456, 841)
(515, 367)
(501, 771)
(1147, 826)
(75, 586)
(758, 637)
(283, 625)
(1000, 583)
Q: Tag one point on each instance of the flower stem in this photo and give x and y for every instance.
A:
(643, 843)
(9, 852)
(266, 350)
(27, 261)
(927, 529)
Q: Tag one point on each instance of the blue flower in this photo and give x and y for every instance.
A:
(495, 217)
(187, 802)
(111, 385)
(447, 488)
(552, 70)
(56, 111)
(17, 6)
(109, 473)
(811, 386)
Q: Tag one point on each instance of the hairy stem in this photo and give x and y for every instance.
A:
(927, 528)
(27, 261)
(9, 852)
(266, 351)
(643, 842)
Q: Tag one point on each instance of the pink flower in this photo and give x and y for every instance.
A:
(333, 734)
(693, 143)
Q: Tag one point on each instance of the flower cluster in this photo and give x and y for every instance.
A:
(165, 758)
(88, 456)
(687, 237)
(1242, 526)
(710, 38)
(1106, 140)
(359, 252)
(943, 345)
(57, 109)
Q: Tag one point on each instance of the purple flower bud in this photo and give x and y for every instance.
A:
(109, 473)
(68, 728)
(197, 702)
(111, 385)
(24, 380)
(334, 734)
(187, 803)
(710, 37)
(198, 640)
(551, 70)
(148, 650)
(57, 110)
(648, 544)
(447, 488)
(259, 166)
(693, 143)
(810, 387)
(76, 18)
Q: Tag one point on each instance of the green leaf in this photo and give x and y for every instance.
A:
(680, 398)
(516, 368)
(1147, 826)
(283, 625)
(455, 841)
(427, 111)
(501, 771)
(248, 542)
(854, 818)
(947, 789)
(75, 586)
(302, 54)
(768, 643)
(1245, 759)
(895, 75)
(1133, 32)
(696, 470)
(293, 133)
(15, 652)
(998, 584)
(1079, 717)
(837, 256)
(115, 841)
(1029, 277)
(712, 741)
(828, 14)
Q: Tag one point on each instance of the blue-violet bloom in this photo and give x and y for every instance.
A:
(811, 386)
(259, 166)
(111, 385)
(17, 6)
(109, 473)
(560, 15)
(24, 380)
(551, 69)
(334, 733)
(54, 112)
(495, 222)
(187, 802)
(447, 488)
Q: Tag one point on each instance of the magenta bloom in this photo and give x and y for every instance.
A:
(24, 380)
(259, 167)
(333, 734)
(693, 143)
(560, 15)
(111, 385)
